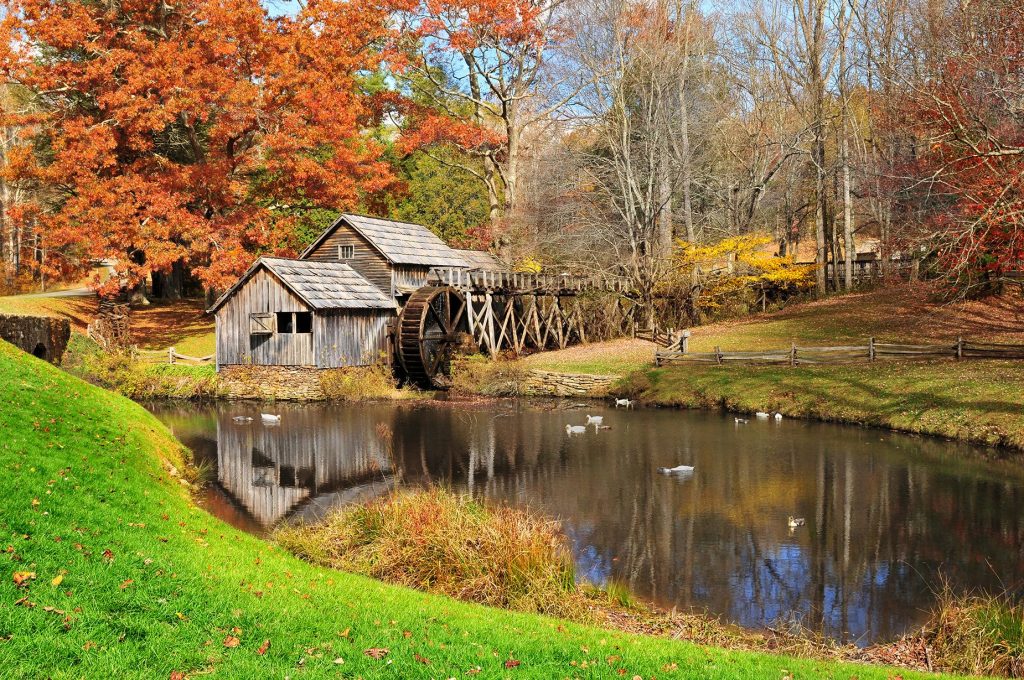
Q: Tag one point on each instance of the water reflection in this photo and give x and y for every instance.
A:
(885, 514)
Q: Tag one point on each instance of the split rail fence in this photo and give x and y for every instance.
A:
(158, 356)
(845, 354)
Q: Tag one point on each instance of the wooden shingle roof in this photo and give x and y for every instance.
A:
(481, 260)
(400, 242)
(321, 285)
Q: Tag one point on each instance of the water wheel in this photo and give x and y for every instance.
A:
(428, 331)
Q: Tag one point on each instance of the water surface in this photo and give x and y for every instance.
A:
(886, 515)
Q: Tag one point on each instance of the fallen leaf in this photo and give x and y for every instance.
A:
(108, 555)
(263, 648)
(422, 659)
(125, 583)
(57, 580)
(339, 661)
(376, 652)
(512, 663)
(231, 641)
(20, 577)
(345, 633)
(177, 675)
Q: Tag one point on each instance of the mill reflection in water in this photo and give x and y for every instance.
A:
(886, 515)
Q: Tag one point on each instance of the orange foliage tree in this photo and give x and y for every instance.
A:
(193, 132)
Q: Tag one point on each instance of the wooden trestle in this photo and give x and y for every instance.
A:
(509, 311)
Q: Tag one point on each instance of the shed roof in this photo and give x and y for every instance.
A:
(321, 285)
(481, 260)
(399, 242)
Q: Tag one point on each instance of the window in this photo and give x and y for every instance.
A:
(294, 322)
(346, 252)
(284, 322)
(261, 323)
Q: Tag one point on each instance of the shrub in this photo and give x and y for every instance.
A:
(442, 542)
(356, 383)
(477, 374)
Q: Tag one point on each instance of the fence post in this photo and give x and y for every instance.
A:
(792, 354)
(718, 354)
(684, 342)
(871, 349)
(959, 348)
(170, 355)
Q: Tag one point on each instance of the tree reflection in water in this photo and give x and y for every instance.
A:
(886, 514)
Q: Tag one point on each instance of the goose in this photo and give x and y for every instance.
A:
(741, 421)
(627, 403)
(679, 469)
(778, 416)
(575, 429)
(270, 419)
(242, 419)
(762, 415)
(595, 420)
(795, 522)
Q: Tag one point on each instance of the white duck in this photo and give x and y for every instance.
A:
(595, 420)
(778, 416)
(242, 419)
(677, 470)
(575, 429)
(741, 421)
(627, 403)
(795, 522)
(270, 419)
(762, 415)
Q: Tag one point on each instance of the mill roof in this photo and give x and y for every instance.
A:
(321, 285)
(399, 242)
(481, 260)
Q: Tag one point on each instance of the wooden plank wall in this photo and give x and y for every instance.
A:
(351, 337)
(410, 276)
(367, 260)
(262, 293)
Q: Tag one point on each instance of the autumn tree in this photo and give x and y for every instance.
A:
(194, 134)
(962, 179)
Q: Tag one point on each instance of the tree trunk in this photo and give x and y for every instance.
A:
(849, 249)
(685, 176)
(664, 220)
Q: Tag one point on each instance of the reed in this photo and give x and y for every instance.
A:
(441, 542)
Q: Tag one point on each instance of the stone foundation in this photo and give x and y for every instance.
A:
(42, 336)
(281, 383)
(551, 384)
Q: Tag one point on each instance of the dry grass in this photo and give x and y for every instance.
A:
(476, 374)
(441, 542)
(360, 383)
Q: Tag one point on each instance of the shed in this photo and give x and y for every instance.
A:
(302, 313)
(395, 256)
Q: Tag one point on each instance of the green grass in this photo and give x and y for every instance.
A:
(150, 584)
(978, 401)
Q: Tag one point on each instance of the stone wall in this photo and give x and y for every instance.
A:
(283, 383)
(42, 336)
(549, 383)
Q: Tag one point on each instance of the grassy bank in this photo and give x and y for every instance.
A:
(112, 571)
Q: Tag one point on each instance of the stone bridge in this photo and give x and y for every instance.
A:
(41, 336)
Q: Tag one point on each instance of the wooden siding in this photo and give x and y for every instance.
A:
(273, 472)
(406, 276)
(368, 261)
(350, 337)
(262, 293)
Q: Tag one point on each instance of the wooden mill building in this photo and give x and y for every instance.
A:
(332, 306)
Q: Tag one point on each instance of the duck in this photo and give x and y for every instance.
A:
(778, 416)
(741, 421)
(242, 419)
(270, 418)
(677, 470)
(575, 429)
(626, 403)
(595, 420)
(795, 522)
(762, 415)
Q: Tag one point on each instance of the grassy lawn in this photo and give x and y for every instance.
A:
(979, 401)
(110, 570)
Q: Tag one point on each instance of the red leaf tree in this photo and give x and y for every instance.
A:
(191, 133)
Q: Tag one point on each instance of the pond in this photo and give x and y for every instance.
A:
(887, 516)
